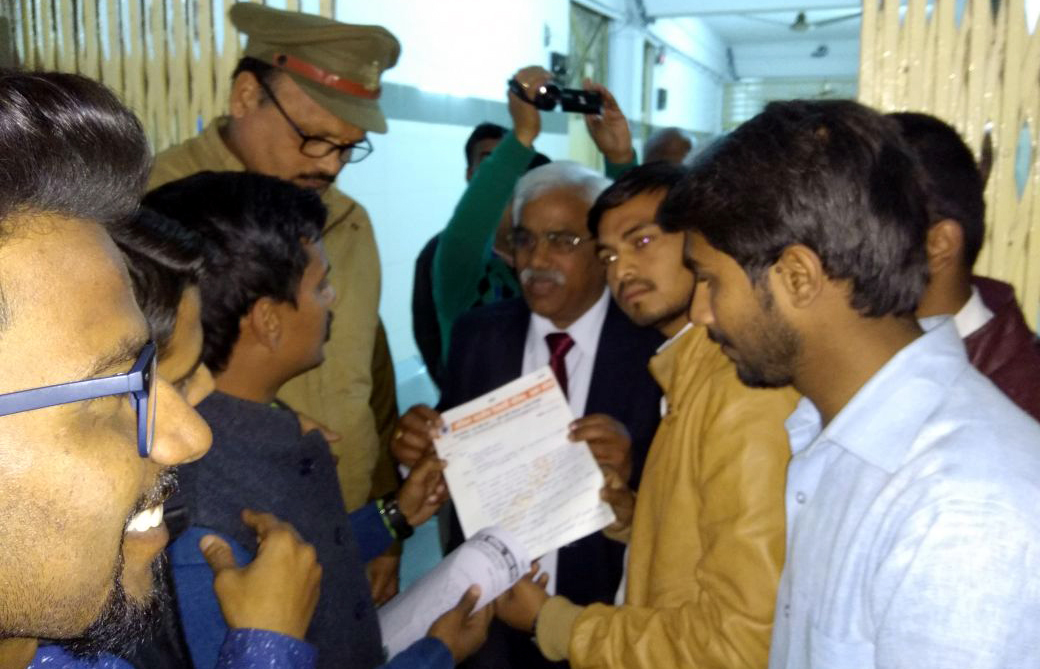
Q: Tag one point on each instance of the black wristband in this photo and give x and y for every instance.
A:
(393, 518)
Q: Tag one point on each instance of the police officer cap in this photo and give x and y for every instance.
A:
(337, 64)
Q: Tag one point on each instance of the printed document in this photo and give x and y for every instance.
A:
(492, 559)
(511, 464)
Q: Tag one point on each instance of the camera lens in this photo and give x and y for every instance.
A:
(548, 97)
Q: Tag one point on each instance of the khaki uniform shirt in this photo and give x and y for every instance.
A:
(707, 541)
(337, 393)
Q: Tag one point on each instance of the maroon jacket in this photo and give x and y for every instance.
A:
(1005, 349)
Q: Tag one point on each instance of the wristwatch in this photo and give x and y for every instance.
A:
(396, 524)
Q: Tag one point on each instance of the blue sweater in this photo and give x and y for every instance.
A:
(260, 461)
(204, 626)
(254, 649)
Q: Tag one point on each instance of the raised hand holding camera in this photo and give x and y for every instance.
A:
(532, 89)
(608, 127)
(547, 96)
(527, 120)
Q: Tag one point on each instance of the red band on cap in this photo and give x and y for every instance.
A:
(316, 74)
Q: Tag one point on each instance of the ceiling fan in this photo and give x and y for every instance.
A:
(801, 22)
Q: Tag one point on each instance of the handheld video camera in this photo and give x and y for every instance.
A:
(549, 95)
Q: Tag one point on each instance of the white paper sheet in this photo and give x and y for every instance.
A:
(511, 464)
(492, 559)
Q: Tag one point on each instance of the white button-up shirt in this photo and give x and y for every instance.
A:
(913, 535)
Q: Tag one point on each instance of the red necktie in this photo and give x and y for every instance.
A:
(559, 343)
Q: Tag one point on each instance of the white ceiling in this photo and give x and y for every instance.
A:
(672, 8)
(739, 28)
(761, 39)
(743, 21)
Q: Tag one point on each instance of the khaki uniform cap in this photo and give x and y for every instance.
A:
(337, 64)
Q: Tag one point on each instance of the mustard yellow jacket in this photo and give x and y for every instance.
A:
(707, 538)
(336, 393)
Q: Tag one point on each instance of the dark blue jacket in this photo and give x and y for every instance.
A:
(260, 461)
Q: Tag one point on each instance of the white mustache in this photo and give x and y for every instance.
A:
(529, 274)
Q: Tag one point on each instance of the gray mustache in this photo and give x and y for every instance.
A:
(529, 274)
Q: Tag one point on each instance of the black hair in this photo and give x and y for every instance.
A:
(67, 147)
(252, 229)
(665, 144)
(479, 134)
(650, 177)
(537, 160)
(952, 182)
(834, 176)
(264, 72)
(164, 259)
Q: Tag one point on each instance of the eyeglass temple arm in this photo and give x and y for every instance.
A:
(66, 393)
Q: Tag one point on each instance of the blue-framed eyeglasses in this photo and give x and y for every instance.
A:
(139, 383)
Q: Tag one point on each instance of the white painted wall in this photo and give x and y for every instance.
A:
(792, 59)
(410, 186)
(468, 48)
(625, 68)
(694, 72)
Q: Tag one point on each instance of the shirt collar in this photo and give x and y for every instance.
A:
(879, 422)
(678, 356)
(675, 337)
(584, 331)
(220, 155)
(803, 425)
(973, 315)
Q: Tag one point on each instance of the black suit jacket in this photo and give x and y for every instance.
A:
(425, 327)
(487, 350)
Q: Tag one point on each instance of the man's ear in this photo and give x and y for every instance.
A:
(265, 323)
(944, 246)
(246, 94)
(798, 276)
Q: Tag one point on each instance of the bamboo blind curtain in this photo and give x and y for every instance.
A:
(169, 60)
(980, 74)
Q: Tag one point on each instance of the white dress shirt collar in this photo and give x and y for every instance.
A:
(584, 331)
(973, 315)
(893, 403)
(580, 359)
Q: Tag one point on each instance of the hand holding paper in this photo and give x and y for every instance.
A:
(622, 500)
(518, 607)
(608, 439)
(461, 629)
(423, 491)
(492, 560)
(521, 488)
(511, 463)
(413, 438)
